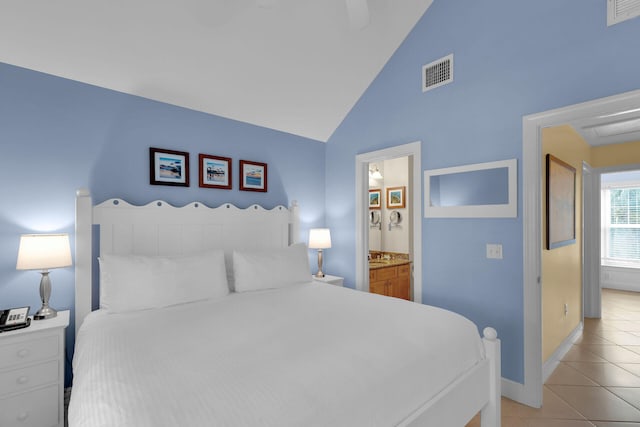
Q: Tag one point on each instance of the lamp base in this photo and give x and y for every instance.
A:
(45, 312)
(319, 274)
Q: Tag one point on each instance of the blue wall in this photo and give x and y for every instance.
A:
(58, 135)
(510, 59)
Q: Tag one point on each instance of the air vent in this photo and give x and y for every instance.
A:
(621, 10)
(437, 73)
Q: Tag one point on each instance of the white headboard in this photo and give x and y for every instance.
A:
(161, 229)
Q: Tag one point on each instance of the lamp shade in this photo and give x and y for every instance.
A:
(43, 251)
(319, 238)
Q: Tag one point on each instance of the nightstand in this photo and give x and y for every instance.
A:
(332, 280)
(32, 374)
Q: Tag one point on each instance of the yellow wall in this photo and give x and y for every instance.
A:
(615, 154)
(562, 267)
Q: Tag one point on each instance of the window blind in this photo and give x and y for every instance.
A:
(622, 224)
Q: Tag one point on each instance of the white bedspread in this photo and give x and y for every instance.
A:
(306, 355)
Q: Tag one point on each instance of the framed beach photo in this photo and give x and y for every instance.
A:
(395, 197)
(375, 198)
(561, 203)
(215, 171)
(168, 167)
(253, 176)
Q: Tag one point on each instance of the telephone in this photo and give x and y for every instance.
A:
(14, 318)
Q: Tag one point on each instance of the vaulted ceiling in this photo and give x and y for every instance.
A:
(296, 66)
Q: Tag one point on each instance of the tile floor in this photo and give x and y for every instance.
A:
(598, 381)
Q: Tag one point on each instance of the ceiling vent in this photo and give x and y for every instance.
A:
(437, 73)
(621, 10)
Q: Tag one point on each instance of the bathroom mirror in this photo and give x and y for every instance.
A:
(482, 190)
(374, 219)
(394, 218)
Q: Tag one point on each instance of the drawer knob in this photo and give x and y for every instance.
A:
(23, 353)
(23, 379)
(22, 416)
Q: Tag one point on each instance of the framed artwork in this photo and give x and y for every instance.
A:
(375, 196)
(395, 197)
(215, 171)
(253, 176)
(168, 167)
(561, 203)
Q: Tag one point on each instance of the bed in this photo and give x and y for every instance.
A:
(209, 316)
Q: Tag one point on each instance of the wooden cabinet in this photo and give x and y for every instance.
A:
(32, 374)
(392, 281)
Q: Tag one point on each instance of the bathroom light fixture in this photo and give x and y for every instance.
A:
(375, 173)
(44, 252)
(319, 238)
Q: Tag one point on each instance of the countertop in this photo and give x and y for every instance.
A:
(382, 263)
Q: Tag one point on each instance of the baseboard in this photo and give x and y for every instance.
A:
(620, 278)
(513, 390)
(516, 391)
(629, 287)
(554, 360)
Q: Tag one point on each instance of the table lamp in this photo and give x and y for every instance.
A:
(43, 252)
(319, 238)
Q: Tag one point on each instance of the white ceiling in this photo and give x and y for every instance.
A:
(296, 66)
(616, 128)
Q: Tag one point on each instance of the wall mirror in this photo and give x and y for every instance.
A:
(481, 190)
(374, 219)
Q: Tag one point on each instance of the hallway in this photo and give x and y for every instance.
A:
(598, 382)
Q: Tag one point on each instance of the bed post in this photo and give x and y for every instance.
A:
(491, 413)
(83, 255)
(294, 222)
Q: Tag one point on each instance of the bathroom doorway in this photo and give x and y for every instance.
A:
(394, 230)
(390, 250)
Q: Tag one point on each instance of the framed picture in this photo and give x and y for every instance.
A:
(168, 167)
(375, 196)
(253, 176)
(395, 197)
(215, 171)
(561, 203)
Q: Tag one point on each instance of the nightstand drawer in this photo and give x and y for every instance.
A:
(25, 352)
(36, 409)
(22, 379)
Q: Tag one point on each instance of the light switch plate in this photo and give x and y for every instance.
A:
(494, 251)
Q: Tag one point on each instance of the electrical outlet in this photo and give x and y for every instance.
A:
(494, 251)
(566, 310)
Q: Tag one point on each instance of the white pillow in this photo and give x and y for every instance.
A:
(136, 282)
(272, 268)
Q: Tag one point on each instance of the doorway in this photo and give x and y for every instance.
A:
(390, 178)
(530, 392)
(619, 187)
(414, 196)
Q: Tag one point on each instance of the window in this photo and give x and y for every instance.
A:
(621, 225)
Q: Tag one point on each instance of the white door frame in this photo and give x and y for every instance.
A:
(591, 306)
(532, 125)
(362, 207)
